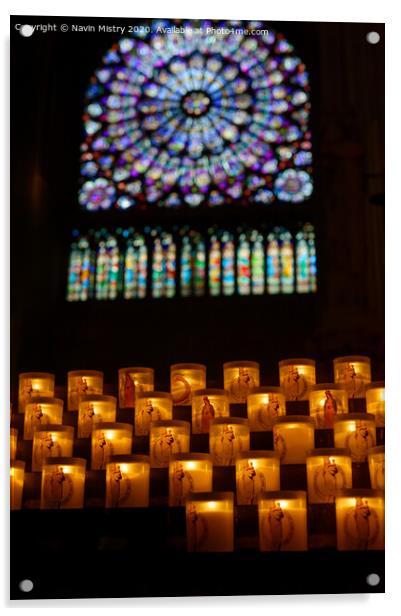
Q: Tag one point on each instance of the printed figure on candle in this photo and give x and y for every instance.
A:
(375, 402)
(256, 473)
(326, 401)
(34, 385)
(362, 524)
(42, 411)
(182, 483)
(197, 529)
(293, 437)
(295, 384)
(82, 383)
(241, 385)
(296, 377)
(184, 380)
(360, 441)
(207, 404)
(353, 381)
(131, 382)
(240, 377)
(264, 404)
(63, 483)
(127, 481)
(103, 448)
(145, 415)
(191, 472)
(120, 486)
(328, 479)
(226, 445)
(353, 373)
(360, 520)
(94, 409)
(210, 522)
(164, 446)
(87, 415)
(282, 521)
(45, 446)
(252, 482)
(376, 461)
(58, 488)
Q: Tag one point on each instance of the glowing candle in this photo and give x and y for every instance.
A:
(94, 409)
(283, 521)
(17, 475)
(42, 411)
(228, 437)
(294, 436)
(296, 378)
(360, 520)
(191, 472)
(375, 402)
(83, 382)
(132, 381)
(256, 472)
(326, 400)
(167, 438)
(376, 467)
(13, 443)
(110, 439)
(353, 374)
(210, 522)
(240, 377)
(51, 441)
(127, 481)
(63, 483)
(152, 406)
(264, 404)
(207, 404)
(356, 432)
(328, 471)
(185, 379)
(34, 385)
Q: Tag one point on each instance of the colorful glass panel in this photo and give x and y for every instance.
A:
(243, 266)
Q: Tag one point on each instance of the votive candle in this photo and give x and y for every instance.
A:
(51, 441)
(264, 404)
(283, 521)
(132, 381)
(127, 481)
(185, 379)
(328, 471)
(208, 404)
(293, 437)
(256, 472)
(63, 483)
(353, 373)
(109, 439)
(376, 467)
(296, 377)
(190, 472)
(375, 402)
(152, 406)
(17, 475)
(210, 522)
(94, 409)
(42, 411)
(34, 385)
(228, 437)
(83, 382)
(360, 520)
(240, 377)
(168, 438)
(356, 432)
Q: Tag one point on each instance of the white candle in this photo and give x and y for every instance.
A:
(256, 473)
(328, 471)
(152, 406)
(356, 432)
(326, 401)
(283, 521)
(34, 385)
(210, 522)
(228, 437)
(63, 483)
(17, 475)
(353, 374)
(185, 379)
(51, 441)
(131, 382)
(296, 377)
(42, 411)
(375, 402)
(168, 438)
(360, 520)
(109, 439)
(83, 382)
(94, 409)
(240, 377)
(191, 472)
(293, 436)
(127, 481)
(376, 467)
(208, 404)
(264, 404)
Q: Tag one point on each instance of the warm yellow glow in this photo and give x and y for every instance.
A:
(110, 435)
(212, 505)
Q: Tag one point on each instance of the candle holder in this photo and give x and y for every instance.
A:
(326, 400)
(256, 472)
(34, 385)
(63, 483)
(132, 381)
(208, 404)
(51, 441)
(152, 406)
(353, 374)
(328, 471)
(356, 432)
(240, 377)
(110, 439)
(376, 467)
(264, 404)
(94, 409)
(191, 472)
(228, 437)
(185, 379)
(210, 522)
(13, 443)
(293, 436)
(375, 402)
(168, 438)
(283, 521)
(296, 377)
(81, 383)
(42, 411)
(17, 476)
(127, 481)
(360, 520)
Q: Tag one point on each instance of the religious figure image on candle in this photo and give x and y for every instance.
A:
(362, 525)
(328, 479)
(251, 483)
(119, 488)
(127, 390)
(35, 418)
(147, 412)
(269, 411)
(102, 450)
(324, 416)
(181, 484)
(359, 441)
(376, 461)
(57, 488)
(87, 415)
(353, 375)
(180, 389)
(241, 385)
(197, 529)
(164, 446)
(279, 445)
(276, 528)
(46, 446)
(226, 444)
(294, 384)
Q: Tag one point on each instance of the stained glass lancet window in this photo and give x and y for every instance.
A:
(306, 260)
(136, 268)
(80, 271)
(164, 266)
(107, 268)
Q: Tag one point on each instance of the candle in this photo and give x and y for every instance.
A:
(94, 409)
(228, 437)
(83, 382)
(360, 520)
(375, 402)
(210, 522)
(256, 472)
(184, 379)
(293, 436)
(264, 404)
(34, 385)
(240, 377)
(109, 439)
(13, 443)
(207, 404)
(283, 521)
(326, 400)
(376, 467)
(152, 406)
(353, 374)
(42, 411)
(63, 483)
(132, 381)
(328, 471)
(356, 432)
(17, 476)
(191, 472)
(296, 378)
(167, 438)
(127, 481)
(51, 441)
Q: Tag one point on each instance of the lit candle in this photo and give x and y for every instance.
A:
(207, 404)
(264, 404)
(375, 402)
(191, 472)
(63, 483)
(228, 437)
(293, 436)
(240, 377)
(83, 382)
(328, 471)
(376, 467)
(360, 520)
(51, 441)
(356, 432)
(184, 379)
(326, 400)
(296, 377)
(256, 472)
(210, 522)
(127, 481)
(94, 409)
(34, 385)
(283, 521)
(110, 439)
(42, 411)
(353, 374)
(17, 475)
(167, 438)
(152, 406)
(132, 381)
(13, 443)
